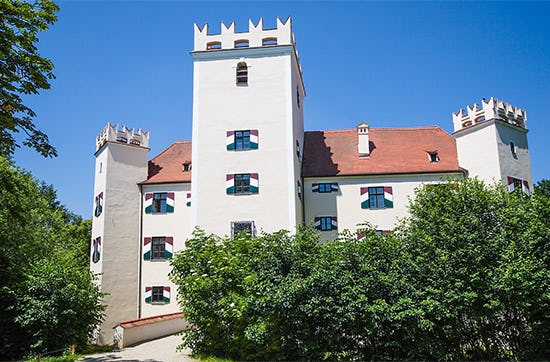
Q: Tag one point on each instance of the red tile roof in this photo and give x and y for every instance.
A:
(149, 320)
(167, 167)
(392, 151)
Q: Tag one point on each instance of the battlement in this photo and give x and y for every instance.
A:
(256, 36)
(131, 136)
(491, 109)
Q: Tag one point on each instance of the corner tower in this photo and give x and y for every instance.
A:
(248, 99)
(492, 143)
(121, 162)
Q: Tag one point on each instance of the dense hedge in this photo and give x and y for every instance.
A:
(465, 277)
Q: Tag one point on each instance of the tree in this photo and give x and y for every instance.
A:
(542, 188)
(48, 299)
(23, 71)
(480, 270)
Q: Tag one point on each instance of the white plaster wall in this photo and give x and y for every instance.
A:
(150, 331)
(517, 166)
(98, 223)
(477, 150)
(298, 134)
(124, 167)
(220, 106)
(177, 225)
(345, 204)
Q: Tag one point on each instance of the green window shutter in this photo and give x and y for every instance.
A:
(388, 197)
(166, 295)
(230, 140)
(170, 198)
(168, 247)
(365, 203)
(254, 139)
(230, 184)
(254, 186)
(148, 294)
(148, 203)
(147, 248)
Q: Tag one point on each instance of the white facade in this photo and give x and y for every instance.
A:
(252, 83)
(266, 104)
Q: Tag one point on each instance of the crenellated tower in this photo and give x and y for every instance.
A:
(121, 163)
(492, 143)
(248, 99)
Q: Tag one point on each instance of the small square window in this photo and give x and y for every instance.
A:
(157, 295)
(376, 197)
(242, 140)
(242, 183)
(158, 248)
(243, 226)
(325, 187)
(326, 223)
(159, 202)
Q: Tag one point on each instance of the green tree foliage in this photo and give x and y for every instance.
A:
(542, 188)
(48, 299)
(466, 276)
(23, 71)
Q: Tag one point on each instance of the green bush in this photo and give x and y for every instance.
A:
(464, 277)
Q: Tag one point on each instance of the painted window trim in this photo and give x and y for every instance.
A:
(365, 198)
(333, 222)
(165, 295)
(148, 202)
(230, 140)
(168, 248)
(524, 185)
(230, 184)
(98, 209)
(316, 187)
(96, 250)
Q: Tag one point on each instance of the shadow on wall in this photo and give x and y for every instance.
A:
(317, 156)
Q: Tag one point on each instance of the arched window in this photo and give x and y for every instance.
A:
(269, 41)
(242, 73)
(214, 45)
(241, 43)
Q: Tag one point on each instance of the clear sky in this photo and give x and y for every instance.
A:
(391, 64)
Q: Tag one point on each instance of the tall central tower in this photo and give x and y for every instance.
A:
(248, 129)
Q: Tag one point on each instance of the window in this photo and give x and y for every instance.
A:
(243, 226)
(241, 43)
(299, 190)
(158, 248)
(241, 184)
(186, 166)
(242, 74)
(513, 148)
(96, 249)
(269, 41)
(242, 140)
(100, 167)
(326, 223)
(298, 96)
(214, 45)
(324, 187)
(379, 197)
(518, 184)
(298, 152)
(122, 139)
(98, 205)
(433, 157)
(157, 295)
(159, 202)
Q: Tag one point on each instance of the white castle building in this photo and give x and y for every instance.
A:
(251, 166)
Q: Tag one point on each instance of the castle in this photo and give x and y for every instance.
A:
(251, 166)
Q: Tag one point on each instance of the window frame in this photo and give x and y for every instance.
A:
(154, 253)
(325, 187)
(241, 74)
(251, 228)
(325, 223)
(242, 136)
(378, 197)
(155, 293)
(157, 205)
(241, 184)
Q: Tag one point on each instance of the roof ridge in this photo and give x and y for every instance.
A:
(377, 128)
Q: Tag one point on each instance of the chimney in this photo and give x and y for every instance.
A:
(363, 139)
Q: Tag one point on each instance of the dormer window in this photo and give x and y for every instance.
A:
(186, 166)
(242, 74)
(433, 157)
(214, 45)
(242, 43)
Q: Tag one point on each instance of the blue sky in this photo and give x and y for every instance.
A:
(391, 64)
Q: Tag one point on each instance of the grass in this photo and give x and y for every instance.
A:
(206, 358)
(68, 357)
